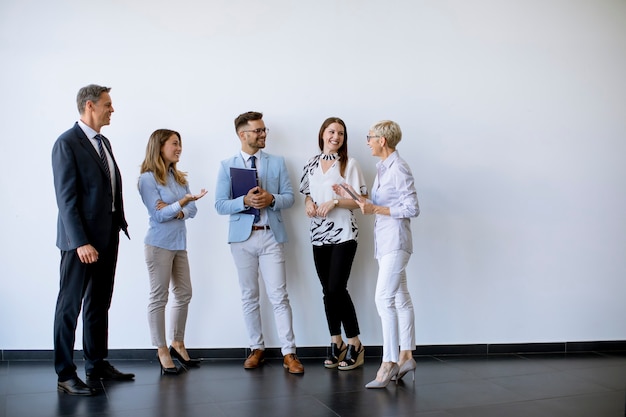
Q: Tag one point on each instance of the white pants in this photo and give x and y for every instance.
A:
(394, 305)
(261, 253)
(165, 267)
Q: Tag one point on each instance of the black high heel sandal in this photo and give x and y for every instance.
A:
(167, 371)
(191, 362)
(336, 355)
(354, 358)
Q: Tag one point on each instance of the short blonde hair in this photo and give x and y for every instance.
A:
(390, 130)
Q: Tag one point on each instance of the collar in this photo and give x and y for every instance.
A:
(388, 161)
(88, 130)
(247, 156)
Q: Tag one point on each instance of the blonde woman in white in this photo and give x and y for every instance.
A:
(394, 203)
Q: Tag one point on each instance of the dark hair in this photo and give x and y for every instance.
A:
(244, 118)
(343, 150)
(92, 93)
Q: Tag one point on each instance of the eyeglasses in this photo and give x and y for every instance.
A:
(259, 130)
(370, 137)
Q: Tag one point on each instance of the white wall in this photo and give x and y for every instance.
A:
(514, 120)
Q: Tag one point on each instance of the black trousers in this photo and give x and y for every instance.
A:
(89, 286)
(333, 264)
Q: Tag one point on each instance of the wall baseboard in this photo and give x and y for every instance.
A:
(606, 346)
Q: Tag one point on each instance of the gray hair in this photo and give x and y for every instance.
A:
(91, 93)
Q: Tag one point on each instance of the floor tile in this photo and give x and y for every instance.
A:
(470, 393)
(606, 404)
(548, 385)
(498, 365)
(515, 409)
(611, 376)
(591, 385)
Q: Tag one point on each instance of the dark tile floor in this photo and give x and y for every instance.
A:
(589, 385)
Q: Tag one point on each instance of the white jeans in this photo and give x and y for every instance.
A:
(394, 305)
(261, 253)
(165, 267)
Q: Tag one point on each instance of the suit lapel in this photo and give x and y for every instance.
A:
(240, 162)
(86, 143)
(107, 145)
(264, 167)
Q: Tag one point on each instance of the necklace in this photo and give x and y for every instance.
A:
(330, 157)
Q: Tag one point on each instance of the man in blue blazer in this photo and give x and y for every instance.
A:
(88, 188)
(256, 241)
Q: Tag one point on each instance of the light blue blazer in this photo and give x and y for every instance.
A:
(274, 179)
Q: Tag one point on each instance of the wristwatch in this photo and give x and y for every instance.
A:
(335, 201)
(273, 202)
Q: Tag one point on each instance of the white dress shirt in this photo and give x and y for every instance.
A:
(394, 187)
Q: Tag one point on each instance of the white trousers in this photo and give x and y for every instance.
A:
(167, 267)
(262, 254)
(394, 305)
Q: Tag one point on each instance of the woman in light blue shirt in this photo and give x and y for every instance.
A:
(394, 202)
(165, 193)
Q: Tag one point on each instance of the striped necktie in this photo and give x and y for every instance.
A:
(103, 155)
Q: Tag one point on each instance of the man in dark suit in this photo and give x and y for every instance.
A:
(88, 188)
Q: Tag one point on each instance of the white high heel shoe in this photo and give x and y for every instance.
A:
(393, 372)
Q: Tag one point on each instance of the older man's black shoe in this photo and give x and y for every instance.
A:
(75, 386)
(106, 372)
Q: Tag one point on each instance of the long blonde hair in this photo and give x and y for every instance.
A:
(154, 161)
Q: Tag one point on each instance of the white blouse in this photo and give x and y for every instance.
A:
(394, 187)
(340, 223)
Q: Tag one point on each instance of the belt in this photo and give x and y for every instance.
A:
(260, 228)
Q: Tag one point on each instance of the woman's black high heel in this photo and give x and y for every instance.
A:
(354, 358)
(168, 371)
(188, 363)
(337, 353)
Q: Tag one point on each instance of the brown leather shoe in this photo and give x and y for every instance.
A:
(256, 359)
(293, 364)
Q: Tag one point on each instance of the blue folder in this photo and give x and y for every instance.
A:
(243, 180)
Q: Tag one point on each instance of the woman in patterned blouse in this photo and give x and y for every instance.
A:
(334, 233)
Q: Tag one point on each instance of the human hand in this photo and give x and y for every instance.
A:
(345, 190)
(367, 207)
(258, 198)
(310, 207)
(87, 254)
(199, 195)
(325, 208)
(190, 197)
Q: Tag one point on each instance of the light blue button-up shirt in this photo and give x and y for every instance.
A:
(394, 187)
(165, 230)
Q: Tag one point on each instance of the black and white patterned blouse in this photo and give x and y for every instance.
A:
(340, 223)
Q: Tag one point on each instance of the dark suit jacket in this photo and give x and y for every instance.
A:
(83, 193)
